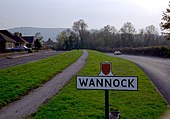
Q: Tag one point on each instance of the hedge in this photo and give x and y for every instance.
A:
(156, 51)
(148, 51)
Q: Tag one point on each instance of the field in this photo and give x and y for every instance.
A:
(19, 80)
(70, 103)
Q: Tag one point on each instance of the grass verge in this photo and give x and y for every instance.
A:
(70, 103)
(18, 80)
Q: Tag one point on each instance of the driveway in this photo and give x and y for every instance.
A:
(158, 70)
(21, 59)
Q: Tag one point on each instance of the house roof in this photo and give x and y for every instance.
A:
(49, 42)
(14, 37)
(6, 38)
(19, 39)
(29, 39)
(7, 33)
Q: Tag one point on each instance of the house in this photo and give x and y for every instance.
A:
(6, 42)
(19, 41)
(48, 44)
(30, 40)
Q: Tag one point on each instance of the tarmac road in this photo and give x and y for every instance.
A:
(158, 70)
(25, 58)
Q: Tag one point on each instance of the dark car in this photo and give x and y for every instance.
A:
(20, 48)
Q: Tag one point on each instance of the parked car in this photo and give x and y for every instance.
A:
(117, 53)
(20, 48)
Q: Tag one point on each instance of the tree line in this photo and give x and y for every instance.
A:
(108, 37)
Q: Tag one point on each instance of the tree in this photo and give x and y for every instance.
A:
(128, 28)
(38, 40)
(109, 29)
(150, 35)
(165, 24)
(151, 30)
(80, 27)
(67, 40)
(73, 41)
(139, 38)
(127, 34)
(106, 36)
(18, 34)
(62, 37)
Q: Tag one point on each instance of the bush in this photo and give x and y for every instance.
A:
(148, 51)
(157, 51)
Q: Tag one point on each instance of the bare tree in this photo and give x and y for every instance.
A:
(38, 40)
(150, 35)
(128, 28)
(109, 29)
(127, 34)
(151, 30)
(106, 36)
(80, 27)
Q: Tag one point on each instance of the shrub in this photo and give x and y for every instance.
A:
(159, 51)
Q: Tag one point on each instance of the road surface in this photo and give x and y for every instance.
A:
(21, 59)
(158, 70)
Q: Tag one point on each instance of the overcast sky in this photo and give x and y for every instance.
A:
(96, 13)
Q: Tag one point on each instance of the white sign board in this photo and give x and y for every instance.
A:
(107, 82)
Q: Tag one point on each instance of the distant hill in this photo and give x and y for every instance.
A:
(45, 32)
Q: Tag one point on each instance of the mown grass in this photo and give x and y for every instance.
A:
(70, 103)
(18, 80)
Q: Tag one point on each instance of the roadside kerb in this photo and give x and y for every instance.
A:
(19, 56)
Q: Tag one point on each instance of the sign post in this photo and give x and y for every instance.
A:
(106, 104)
(107, 81)
(105, 68)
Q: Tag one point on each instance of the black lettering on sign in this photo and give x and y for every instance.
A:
(116, 83)
(130, 83)
(99, 82)
(83, 82)
(91, 83)
(107, 83)
(123, 83)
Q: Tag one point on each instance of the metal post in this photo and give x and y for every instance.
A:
(106, 104)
